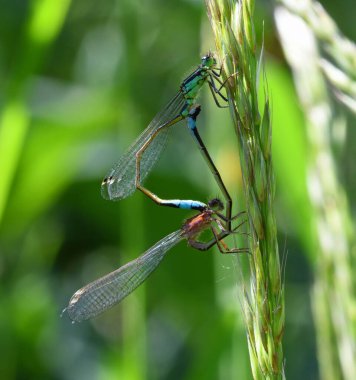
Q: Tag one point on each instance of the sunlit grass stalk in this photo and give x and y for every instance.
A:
(333, 298)
(264, 303)
(339, 61)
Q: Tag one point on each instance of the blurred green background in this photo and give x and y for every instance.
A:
(79, 81)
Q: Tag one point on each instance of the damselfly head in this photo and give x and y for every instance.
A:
(216, 204)
(208, 61)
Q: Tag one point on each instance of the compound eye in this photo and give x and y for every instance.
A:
(216, 204)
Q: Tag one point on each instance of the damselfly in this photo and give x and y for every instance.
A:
(136, 163)
(101, 294)
(190, 204)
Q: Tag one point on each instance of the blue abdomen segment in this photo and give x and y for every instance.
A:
(191, 124)
(186, 204)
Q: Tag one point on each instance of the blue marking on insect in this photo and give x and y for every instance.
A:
(188, 204)
(191, 123)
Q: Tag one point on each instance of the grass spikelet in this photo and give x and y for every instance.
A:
(264, 300)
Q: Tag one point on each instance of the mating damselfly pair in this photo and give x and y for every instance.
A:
(128, 175)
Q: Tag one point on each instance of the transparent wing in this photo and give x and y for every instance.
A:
(108, 290)
(120, 181)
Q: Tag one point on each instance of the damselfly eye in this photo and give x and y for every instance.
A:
(208, 60)
(216, 204)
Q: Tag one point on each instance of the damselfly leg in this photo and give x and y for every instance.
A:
(216, 218)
